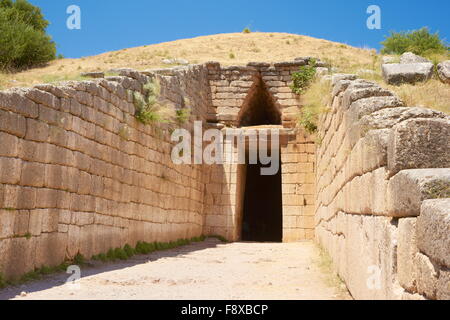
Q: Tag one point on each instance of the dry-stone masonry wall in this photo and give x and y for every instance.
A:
(378, 166)
(79, 173)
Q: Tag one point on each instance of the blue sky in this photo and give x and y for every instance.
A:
(112, 24)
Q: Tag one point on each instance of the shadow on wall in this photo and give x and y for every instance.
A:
(259, 107)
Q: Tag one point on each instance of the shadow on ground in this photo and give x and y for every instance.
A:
(96, 267)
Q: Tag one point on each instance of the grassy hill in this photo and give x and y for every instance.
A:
(231, 49)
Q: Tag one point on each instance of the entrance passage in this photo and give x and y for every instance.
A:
(262, 214)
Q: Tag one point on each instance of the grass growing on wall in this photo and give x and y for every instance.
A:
(303, 78)
(325, 264)
(182, 115)
(148, 109)
(316, 101)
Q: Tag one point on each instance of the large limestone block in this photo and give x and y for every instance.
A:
(341, 76)
(426, 276)
(409, 188)
(371, 244)
(419, 143)
(407, 73)
(409, 57)
(14, 100)
(50, 249)
(361, 89)
(444, 71)
(406, 253)
(7, 221)
(19, 256)
(443, 285)
(387, 118)
(366, 106)
(433, 230)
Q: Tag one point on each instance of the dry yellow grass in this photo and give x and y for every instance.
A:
(267, 47)
(432, 94)
(233, 49)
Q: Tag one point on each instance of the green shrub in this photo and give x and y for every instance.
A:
(79, 259)
(420, 42)
(246, 30)
(129, 250)
(303, 78)
(182, 115)
(145, 247)
(110, 255)
(30, 276)
(308, 120)
(120, 254)
(3, 282)
(25, 11)
(100, 257)
(46, 270)
(23, 41)
(148, 110)
(315, 103)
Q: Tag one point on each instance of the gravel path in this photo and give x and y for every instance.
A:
(207, 270)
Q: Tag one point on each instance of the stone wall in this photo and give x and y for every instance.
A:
(79, 173)
(378, 166)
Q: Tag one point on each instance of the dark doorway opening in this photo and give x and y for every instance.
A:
(259, 107)
(263, 207)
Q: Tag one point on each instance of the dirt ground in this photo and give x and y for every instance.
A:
(209, 270)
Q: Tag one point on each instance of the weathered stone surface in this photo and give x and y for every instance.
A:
(419, 143)
(362, 89)
(366, 106)
(409, 57)
(407, 73)
(412, 297)
(388, 59)
(387, 118)
(443, 285)
(422, 184)
(15, 100)
(433, 229)
(94, 75)
(341, 76)
(443, 69)
(426, 276)
(406, 253)
(340, 86)
(370, 262)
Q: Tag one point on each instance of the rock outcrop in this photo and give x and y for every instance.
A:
(407, 73)
(409, 57)
(443, 69)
